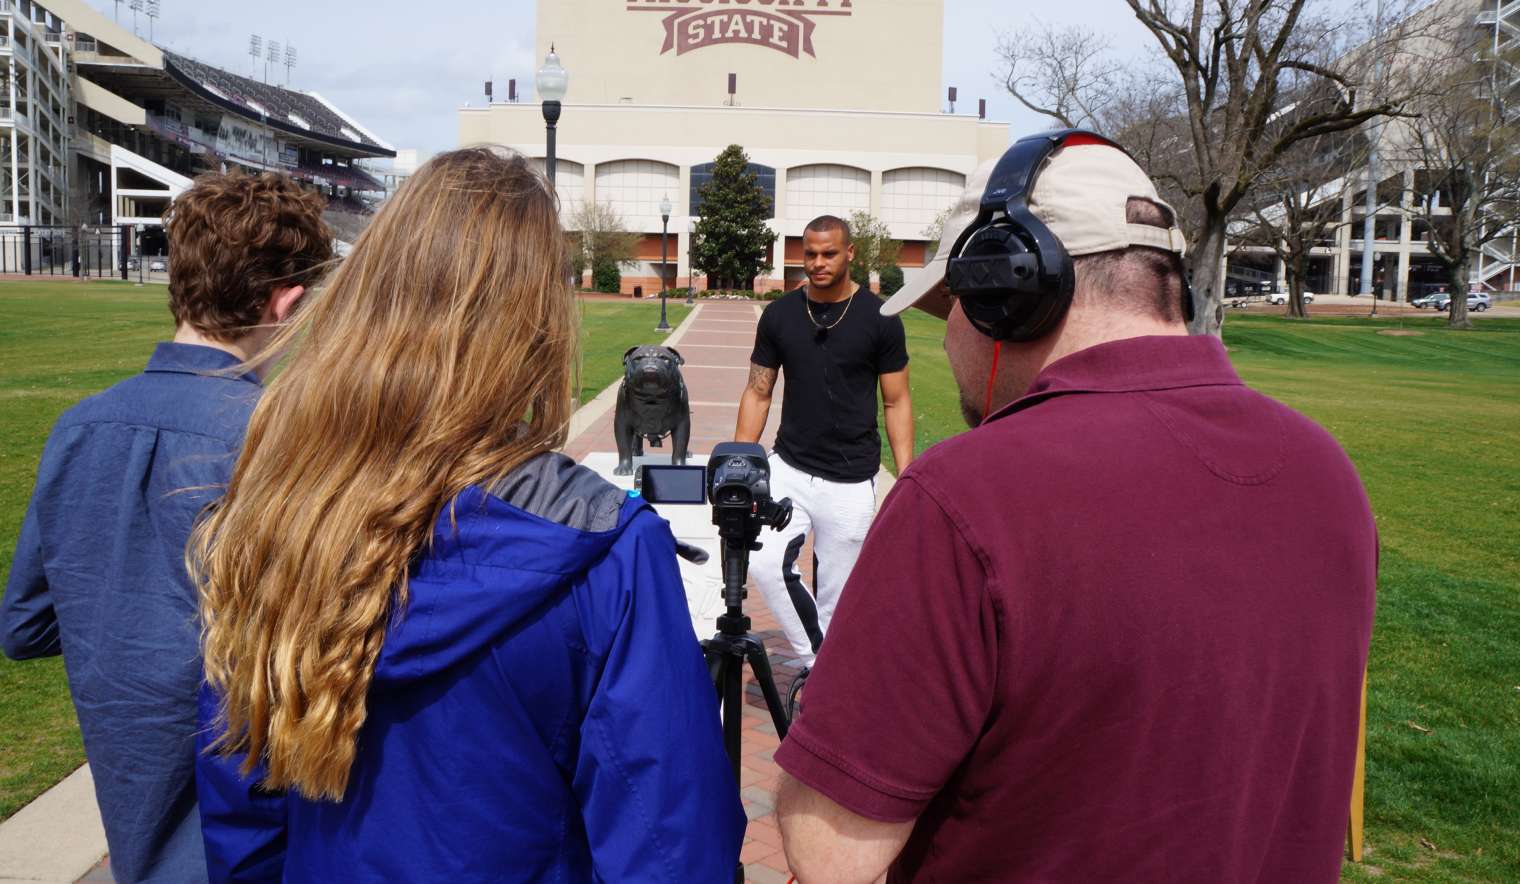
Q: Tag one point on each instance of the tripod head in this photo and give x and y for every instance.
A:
(736, 481)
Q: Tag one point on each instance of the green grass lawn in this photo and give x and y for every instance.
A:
(1433, 424)
(608, 329)
(60, 342)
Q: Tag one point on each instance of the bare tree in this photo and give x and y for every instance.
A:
(1298, 202)
(1463, 147)
(1063, 73)
(599, 238)
(1207, 120)
(936, 230)
(1233, 59)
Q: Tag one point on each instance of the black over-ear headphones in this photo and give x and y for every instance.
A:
(1011, 274)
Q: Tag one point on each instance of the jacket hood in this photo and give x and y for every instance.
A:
(496, 557)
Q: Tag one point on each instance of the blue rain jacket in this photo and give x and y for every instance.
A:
(541, 711)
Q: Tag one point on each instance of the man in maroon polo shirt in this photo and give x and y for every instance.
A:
(1115, 632)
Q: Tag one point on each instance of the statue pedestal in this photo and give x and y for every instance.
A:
(692, 524)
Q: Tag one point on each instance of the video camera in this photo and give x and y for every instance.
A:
(736, 481)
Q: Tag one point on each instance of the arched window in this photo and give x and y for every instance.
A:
(702, 174)
(826, 190)
(569, 182)
(913, 197)
(635, 187)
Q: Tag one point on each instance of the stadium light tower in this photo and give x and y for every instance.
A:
(136, 7)
(255, 49)
(290, 62)
(153, 10)
(273, 55)
(553, 82)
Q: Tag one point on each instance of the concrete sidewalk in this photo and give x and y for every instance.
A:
(58, 838)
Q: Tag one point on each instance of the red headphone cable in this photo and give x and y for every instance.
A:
(997, 350)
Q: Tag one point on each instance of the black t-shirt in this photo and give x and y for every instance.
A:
(828, 411)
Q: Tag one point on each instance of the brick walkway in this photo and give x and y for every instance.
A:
(716, 341)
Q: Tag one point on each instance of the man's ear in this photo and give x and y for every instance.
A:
(282, 303)
(849, 252)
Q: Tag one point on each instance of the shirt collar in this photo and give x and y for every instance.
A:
(1132, 365)
(175, 358)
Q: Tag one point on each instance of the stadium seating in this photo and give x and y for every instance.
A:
(261, 100)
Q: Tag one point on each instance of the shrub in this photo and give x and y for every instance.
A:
(891, 280)
(860, 274)
(745, 294)
(607, 278)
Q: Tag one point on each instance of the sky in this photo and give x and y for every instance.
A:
(402, 69)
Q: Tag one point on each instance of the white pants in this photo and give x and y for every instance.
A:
(838, 515)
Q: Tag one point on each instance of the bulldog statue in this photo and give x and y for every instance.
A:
(651, 404)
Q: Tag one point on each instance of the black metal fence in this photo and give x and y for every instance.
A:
(87, 252)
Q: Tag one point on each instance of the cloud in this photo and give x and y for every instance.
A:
(404, 69)
(400, 69)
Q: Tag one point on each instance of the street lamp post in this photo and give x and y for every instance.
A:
(553, 82)
(691, 286)
(664, 257)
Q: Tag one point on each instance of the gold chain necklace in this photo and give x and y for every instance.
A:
(807, 304)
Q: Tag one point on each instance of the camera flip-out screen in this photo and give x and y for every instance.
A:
(671, 484)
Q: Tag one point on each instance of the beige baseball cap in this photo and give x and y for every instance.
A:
(1082, 194)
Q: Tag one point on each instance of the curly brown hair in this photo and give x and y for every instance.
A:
(233, 238)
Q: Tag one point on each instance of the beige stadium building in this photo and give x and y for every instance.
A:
(837, 102)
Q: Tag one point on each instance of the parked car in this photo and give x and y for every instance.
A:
(1431, 300)
(158, 265)
(1476, 301)
(1282, 298)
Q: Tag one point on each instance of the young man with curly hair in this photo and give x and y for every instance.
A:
(99, 574)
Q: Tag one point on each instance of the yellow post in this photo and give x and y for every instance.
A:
(1358, 783)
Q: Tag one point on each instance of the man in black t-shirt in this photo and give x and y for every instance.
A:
(835, 347)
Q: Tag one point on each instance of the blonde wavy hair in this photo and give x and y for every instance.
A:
(440, 355)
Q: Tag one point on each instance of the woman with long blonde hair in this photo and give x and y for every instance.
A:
(433, 647)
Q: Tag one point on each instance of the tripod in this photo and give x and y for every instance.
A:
(733, 647)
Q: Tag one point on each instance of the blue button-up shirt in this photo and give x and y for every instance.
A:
(99, 576)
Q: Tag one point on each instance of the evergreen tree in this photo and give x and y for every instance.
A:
(731, 239)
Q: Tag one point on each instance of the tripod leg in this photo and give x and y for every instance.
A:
(733, 709)
(761, 664)
(715, 669)
(731, 693)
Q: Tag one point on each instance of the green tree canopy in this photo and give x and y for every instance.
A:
(731, 238)
(875, 249)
